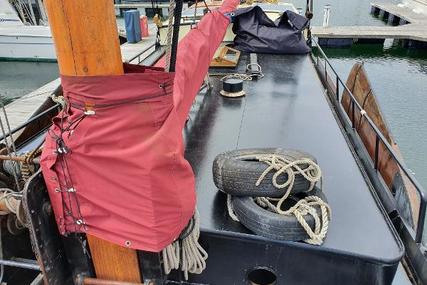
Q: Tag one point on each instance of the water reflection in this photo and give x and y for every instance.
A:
(399, 80)
(20, 78)
(344, 13)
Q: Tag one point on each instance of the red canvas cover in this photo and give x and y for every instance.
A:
(113, 160)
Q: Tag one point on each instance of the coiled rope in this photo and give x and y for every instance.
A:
(186, 252)
(307, 206)
(242, 76)
(59, 99)
(12, 201)
(11, 167)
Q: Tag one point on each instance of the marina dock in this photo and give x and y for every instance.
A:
(144, 8)
(20, 110)
(403, 24)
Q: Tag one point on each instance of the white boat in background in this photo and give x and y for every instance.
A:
(23, 41)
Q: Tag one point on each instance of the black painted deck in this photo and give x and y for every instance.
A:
(288, 109)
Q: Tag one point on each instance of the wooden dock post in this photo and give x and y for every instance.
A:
(375, 11)
(383, 15)
(87, 44)
(393, 20)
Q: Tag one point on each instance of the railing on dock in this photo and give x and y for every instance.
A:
(374, 160)
(138, 58)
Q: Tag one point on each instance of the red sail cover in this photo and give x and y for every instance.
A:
(113, 160)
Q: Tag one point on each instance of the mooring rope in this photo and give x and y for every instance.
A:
(186, 252)
(230, 209)
(59, 99)
(12, 201)
(241, 76)
(307, 206)
(282, 165)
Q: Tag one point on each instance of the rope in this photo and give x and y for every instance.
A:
(307, 206)
(171, 257)
(13, 199)
(312, 173)
(230, 209)
(67, 185)
(168, 47)
(12, 167)
(59, 99)
(186, 252)
(1, 254)
(195, 14)
(13, 203)
(242, 76)
(10, 146)
(175, 34)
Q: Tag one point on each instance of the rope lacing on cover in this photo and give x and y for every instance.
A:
(307, 206)
(66, 186)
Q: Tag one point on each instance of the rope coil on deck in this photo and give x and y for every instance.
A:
(242, 76)
(307, 206)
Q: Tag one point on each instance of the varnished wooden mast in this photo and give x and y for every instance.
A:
(87, 44)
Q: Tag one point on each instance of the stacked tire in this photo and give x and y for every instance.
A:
(236, 174)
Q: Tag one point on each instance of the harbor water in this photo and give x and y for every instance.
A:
(20, 78)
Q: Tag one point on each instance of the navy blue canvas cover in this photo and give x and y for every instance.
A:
(256, 32)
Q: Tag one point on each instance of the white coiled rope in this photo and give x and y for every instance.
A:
(12, 201)
(242, 76)
(307, 206)
(187, 253)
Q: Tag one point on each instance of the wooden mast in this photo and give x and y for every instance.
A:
(87, 44)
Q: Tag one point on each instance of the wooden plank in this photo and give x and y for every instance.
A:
(409, 31)
(113, 262)
(359, 85)
(403, 12)
(87, 44)
(21, 109)
(227, 57)
(416, 30)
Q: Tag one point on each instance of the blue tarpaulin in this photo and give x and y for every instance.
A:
(133, 28)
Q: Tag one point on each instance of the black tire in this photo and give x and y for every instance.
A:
(271, 225)
(236, 175)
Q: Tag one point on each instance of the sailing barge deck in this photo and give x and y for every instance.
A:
(287, 108)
